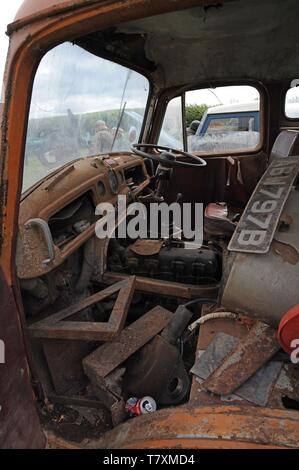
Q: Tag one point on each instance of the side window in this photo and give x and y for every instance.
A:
(223, 119)
(216, 125)
(229, 124)
(291, 107)
(171, 134)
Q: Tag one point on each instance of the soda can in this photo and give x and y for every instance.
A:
(140, 406)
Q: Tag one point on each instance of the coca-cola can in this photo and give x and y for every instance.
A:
(140, 406)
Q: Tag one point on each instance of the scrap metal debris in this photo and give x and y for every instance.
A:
(256, 389)
(249, 355)
(103, 366)
(59, 325)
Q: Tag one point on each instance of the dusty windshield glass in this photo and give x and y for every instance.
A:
(81, 105)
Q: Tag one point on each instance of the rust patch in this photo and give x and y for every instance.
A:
(147, 247)
(284, 222)
(287, 252)
(87, 5)
(258, 346)
(205, 426)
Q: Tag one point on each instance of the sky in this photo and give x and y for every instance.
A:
(71, 78)
(8, 9)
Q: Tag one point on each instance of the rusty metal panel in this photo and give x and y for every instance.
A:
(19, 422)
(216, 427)
(37, 10)
(169, 288)
(55, 326)
(109, 356)
(248, 357)
(64, 359)
(207, 332)
(255, 390)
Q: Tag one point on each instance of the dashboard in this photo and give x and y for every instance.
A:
(57, 215)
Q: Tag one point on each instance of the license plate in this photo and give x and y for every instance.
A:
(255, 230)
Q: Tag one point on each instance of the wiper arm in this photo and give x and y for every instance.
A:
(118, 125)
(122, 107)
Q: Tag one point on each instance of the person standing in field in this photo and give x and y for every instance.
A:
(102, 140)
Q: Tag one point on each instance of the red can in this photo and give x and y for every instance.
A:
(140, 406)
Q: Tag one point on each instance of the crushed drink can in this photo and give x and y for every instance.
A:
(140, 406)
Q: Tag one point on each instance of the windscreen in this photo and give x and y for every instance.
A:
(81, 105)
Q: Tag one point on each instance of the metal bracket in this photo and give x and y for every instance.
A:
(42, 224)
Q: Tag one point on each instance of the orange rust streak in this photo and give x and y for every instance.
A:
(198, 444)
(212, 426)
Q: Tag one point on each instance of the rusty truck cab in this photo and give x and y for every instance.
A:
(99, 104)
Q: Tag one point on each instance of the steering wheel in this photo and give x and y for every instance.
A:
(167, 155)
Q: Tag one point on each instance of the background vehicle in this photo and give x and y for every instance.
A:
(227, 127)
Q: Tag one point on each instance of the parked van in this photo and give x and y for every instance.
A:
(227, 126)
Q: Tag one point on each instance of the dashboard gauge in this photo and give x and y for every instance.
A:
(113, 182)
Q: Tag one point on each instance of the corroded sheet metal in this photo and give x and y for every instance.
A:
(107, 357)
(255, 390)
(248, 357)
(35, 10)
(169, 288)
(56, 326)
(207, 332)
(19, 422)
(206, 427)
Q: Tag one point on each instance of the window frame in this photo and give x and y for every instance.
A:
(245, 114)
(285, 116)
(167, 95)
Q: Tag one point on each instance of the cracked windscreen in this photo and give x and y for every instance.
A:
(81, 105)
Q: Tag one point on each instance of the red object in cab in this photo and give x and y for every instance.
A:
(288, 329)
